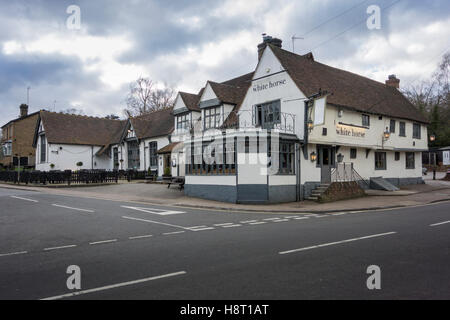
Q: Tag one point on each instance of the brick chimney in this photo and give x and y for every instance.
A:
(23, 110)
(266, 40)
(392, 81)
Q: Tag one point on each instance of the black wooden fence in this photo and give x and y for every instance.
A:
(70, 177)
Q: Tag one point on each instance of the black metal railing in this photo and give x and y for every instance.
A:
(345, 172)
(71, 177)
(243, 119)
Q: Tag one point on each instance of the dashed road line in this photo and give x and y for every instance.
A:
(338, 214)
(222, 224)
(72, 208)
(439, 223)
(61, 247)
(174, 232)
(337, 242)
(140, 237)
(117, 285)
(156, 222)
(103, 241)
(26, 199)
(280, 220)
(248, 221)
(256, 223)
(301, 218)
(232, 225)
(203, 229)
(12, 253)
(270, 219)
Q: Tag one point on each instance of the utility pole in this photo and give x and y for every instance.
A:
(293, 38)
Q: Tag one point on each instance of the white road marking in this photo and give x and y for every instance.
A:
(103, 241)
(154, 211)
(157, 222)
(232, 225)
(270, 219)
(337, 242)
(71, 208)
(26, 199)
(174, 232)
(117, 285)
(301, 218)
(12, 253)
(247, 221)
(339, 214)
(323, 216)
(223, 224)
(203, 229)
(62, 247)
(290, 217)
(141, 237)
(260, 222)
(194, 227)
(281, 220)
(439, 223)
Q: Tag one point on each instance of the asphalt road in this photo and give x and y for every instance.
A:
(142, 251)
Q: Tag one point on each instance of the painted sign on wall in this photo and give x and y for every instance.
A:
(348, 131)
(268, 85)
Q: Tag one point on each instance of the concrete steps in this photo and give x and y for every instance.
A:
(318, 191)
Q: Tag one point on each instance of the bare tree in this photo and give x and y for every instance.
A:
(145, 97)
(73, 111)
(432, 98)
(112, 117)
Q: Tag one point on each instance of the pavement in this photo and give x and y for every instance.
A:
(142, 251)
(430, 192)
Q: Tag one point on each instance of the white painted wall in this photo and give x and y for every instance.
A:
(372, 136)
(65, 157)
(394, 169)
(212, 180)
(289, 94)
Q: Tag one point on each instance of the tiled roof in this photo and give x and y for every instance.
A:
(168, 148)
(348, 89)
(80, 130)
(190, 100)
(154, 124)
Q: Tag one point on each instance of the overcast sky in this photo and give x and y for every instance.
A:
(185, 43)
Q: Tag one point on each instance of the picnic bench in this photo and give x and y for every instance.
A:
(174, 180)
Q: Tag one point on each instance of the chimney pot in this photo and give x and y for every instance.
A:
(268, 40)
(392, 81)
(23, 110)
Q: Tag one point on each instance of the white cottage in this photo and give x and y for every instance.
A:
(142, 137)
(322, 118)
(72, 142)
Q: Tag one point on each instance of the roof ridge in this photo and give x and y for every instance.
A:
(326, 65)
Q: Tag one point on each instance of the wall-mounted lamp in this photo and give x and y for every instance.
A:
(310, 124)
(313, 156)
(340, 113)
(340, 157)
(386, 134)
(432, 137)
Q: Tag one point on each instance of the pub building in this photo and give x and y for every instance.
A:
(321, 125)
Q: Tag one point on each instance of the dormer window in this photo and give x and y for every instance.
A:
(183, 121)
(212, 117)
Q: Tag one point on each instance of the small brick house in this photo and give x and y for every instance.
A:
(17, 140)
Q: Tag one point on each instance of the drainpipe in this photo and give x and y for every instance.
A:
(92, 157)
